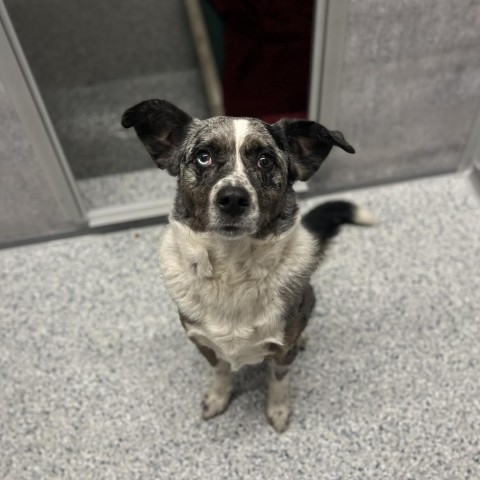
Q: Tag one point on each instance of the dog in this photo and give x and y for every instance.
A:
(237, 257)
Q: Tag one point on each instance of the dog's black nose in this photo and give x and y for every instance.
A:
(233, 200)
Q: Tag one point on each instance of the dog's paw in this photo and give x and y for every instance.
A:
(278, 416)
(214, 404)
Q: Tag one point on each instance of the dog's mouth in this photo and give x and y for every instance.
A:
(231, 231)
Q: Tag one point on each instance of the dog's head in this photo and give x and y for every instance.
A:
(235, 175)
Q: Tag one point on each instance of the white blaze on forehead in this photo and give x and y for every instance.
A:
(236, 178)
(242, 128)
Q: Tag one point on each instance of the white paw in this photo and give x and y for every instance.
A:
(278, 416)
(214, 404)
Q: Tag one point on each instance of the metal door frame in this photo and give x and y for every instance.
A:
(329, 33)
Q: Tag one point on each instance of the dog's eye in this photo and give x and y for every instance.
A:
(204, 159)
(265, 162)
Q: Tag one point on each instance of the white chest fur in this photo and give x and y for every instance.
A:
(232, 289)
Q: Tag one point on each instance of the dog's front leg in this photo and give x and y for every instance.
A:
(278, 397)
(218, 395)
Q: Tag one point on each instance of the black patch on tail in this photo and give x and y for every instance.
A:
(325, 220)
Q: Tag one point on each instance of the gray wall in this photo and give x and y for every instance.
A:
(410, 89)
(27, 205)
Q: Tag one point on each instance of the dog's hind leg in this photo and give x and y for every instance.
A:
(278, 397)
(304, 312)
(218, 395)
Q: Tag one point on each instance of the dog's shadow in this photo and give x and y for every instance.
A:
(250, 378)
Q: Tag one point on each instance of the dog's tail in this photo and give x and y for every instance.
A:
(326, 219)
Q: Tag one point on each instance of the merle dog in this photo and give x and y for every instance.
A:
(237, 257)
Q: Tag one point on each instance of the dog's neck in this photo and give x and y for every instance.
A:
(208, 251)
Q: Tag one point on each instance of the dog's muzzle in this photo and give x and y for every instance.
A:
(234, 213)
(233, 201)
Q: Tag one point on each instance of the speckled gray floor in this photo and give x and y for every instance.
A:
(97, 380)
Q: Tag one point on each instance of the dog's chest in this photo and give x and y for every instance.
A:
(231, 291)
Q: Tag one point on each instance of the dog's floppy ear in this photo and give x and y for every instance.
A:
(161, 126)
(309, 143)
